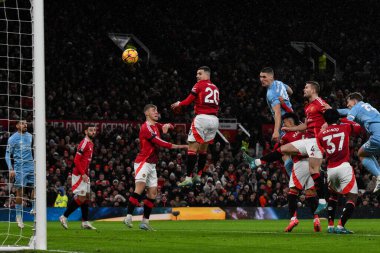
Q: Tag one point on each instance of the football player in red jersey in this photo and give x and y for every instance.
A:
(300, 177)
(335, 142)
(145, 165)
(205, 96)
(80, 179)
(314, 111)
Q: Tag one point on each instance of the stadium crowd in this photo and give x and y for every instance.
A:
(87, 80)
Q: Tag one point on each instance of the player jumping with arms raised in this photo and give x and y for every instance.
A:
(205, 96)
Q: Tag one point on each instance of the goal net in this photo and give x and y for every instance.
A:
(21, 128)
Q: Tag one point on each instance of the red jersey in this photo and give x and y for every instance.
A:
(314, 117)
(149, 141)
(290, 137)
(335, 142)
(83, 157)
(206, 97)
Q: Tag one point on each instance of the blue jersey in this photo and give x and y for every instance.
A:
(364, 114)
(20, 147)
(275, 90)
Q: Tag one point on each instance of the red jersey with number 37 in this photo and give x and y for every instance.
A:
(335, 141)
(205, 95)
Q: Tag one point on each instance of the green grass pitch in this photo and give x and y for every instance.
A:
(210, 236)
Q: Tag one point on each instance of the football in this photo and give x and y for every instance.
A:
(130, 56)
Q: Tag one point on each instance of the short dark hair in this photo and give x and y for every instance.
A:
(268, 70)
(355, 95)
(88, 125)
(21, 120)
(291, 115)
(205, 69)
(148, 106)
(331, 116)
(315, 85)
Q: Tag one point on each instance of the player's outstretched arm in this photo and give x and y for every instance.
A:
(185, 102)
(343, 112)
(175, 146)
(277, 122)
(164, 144)
(300, 127)
(175, 105)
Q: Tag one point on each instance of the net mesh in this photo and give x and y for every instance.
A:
(16, 103)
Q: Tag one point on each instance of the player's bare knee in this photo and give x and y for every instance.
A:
(140, 187)
(193, 146)
(311, 192)
(362, 154)
(18, 200)
(203, 147)
(315, 164)
(294, 191)
(152, 194)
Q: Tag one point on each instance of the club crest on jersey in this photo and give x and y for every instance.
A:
(144, 175)
(311, 109)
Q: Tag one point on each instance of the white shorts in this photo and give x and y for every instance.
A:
(146, 172)
(203, 129)
(78, 186)
(301, 177)
(308, 147)
(342, 179)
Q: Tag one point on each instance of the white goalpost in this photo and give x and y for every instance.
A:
(22, 97)
(40, 122)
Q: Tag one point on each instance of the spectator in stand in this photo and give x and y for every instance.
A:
(61, 200)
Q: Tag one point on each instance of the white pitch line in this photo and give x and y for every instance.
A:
(263, 232)
(63, 251)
